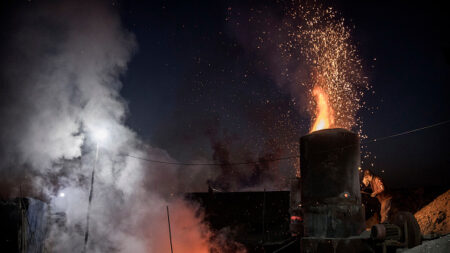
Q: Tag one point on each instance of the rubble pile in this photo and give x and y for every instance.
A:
(434, 218)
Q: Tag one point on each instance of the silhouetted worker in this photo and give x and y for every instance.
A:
(379, 192)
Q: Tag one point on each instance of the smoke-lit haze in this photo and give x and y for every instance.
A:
(61, 79)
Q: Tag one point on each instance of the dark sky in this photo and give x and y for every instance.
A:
(411, 79)
(197, 87)
(192, 79)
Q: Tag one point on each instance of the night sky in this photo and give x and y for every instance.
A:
(192, 74)
(198, 88)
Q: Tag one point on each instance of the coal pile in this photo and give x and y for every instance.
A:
(434, 218)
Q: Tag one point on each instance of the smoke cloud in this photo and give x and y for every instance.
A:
(60, 84)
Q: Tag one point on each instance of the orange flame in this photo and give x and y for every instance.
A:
(324, 113)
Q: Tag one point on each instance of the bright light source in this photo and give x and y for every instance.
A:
(100, 135)
(61, 194)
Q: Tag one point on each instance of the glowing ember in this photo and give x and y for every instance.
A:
(324, 113)
(296, 218)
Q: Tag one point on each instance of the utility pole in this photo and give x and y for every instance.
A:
(91, 193)
(170, 232)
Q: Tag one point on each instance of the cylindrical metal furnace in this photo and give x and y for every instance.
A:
(330, 189)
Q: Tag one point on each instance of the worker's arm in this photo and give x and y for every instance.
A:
(379, 187)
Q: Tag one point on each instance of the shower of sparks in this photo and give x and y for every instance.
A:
(315, 59)
(336, 73)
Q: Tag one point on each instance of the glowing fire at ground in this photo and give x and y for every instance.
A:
(324, 113)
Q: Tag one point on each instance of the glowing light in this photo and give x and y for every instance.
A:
(100, 134)
(62, 195)
(296, 218)
(324, 113)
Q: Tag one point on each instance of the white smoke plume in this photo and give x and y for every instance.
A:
(61, 79)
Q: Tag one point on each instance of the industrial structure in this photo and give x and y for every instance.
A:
(322, 212)
(326, 213)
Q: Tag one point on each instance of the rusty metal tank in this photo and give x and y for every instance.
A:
(330, 189)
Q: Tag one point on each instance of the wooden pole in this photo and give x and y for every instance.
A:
(91, 193)
(170, 232)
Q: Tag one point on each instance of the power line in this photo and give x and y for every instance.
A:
(411, 131)
(212, 164)
(286, 157)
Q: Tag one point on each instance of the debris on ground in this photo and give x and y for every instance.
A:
(434, 218)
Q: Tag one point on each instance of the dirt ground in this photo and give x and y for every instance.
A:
(434, 218)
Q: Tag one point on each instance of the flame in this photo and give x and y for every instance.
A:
(324, 113)
(337, 83)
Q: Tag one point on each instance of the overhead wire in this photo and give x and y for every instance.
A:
(286, 157)
(411, 131)
(212, 164)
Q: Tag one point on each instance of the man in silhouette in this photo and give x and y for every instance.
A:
(378, 191)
